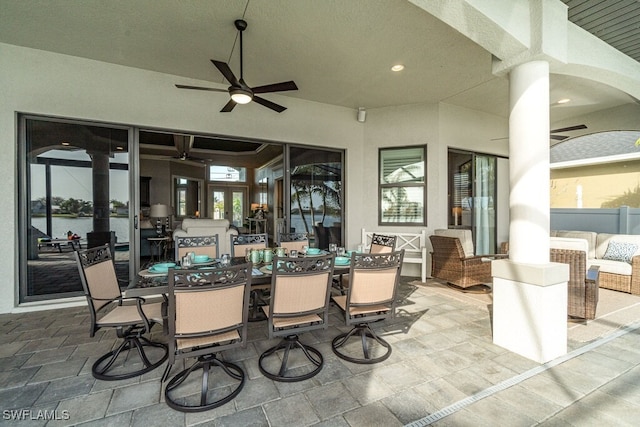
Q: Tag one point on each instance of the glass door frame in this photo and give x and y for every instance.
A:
(474, 185)
(287, 184)
(23, 205)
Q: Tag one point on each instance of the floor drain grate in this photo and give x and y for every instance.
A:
(448, 410)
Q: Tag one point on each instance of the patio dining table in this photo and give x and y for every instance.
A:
(150, 283)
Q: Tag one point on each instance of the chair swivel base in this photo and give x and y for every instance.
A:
(287, 344)
(365, 332)
(205, 363)
(103, 365)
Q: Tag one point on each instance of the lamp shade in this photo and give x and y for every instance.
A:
(159, 211)
(255, 206)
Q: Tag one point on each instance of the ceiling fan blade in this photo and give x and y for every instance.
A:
(201, 88)
(226, 72)
(558, 137)
(275, 107)
(228, 106)
(276, 87)
(570, 128)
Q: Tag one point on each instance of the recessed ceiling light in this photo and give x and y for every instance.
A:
(564, 101)
(65, 143)
(397, 67)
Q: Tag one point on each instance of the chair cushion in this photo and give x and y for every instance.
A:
(463, 235)
(609, 266)
(589, 236)
(569, 244)
(604, 239)
(188, 223)
(620, 251)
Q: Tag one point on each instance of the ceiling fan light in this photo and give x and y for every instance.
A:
(241, 96)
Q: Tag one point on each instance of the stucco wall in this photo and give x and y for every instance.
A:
(40, 82)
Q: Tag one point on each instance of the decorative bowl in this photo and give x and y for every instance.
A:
(162, 267)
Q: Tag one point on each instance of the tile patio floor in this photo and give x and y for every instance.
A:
(442, 355)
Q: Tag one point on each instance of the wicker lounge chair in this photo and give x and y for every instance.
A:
(450, 263)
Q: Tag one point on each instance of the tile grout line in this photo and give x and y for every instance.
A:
(455, 407)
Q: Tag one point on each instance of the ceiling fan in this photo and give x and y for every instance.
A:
(183, 144)
(554, 131)
(239, 91)
(567, 129)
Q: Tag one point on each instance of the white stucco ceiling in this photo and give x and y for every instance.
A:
(338, 52)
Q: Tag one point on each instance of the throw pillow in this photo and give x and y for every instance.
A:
(620, 251)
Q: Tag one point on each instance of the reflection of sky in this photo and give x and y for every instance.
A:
(67, 182)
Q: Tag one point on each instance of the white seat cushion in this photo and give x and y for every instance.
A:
(609, 266)
(569, 244)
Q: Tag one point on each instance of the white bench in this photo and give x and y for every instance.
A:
(414, 245)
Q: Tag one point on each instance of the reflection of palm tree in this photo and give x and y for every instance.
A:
(396, 198)
(313, 179)
(299, 194)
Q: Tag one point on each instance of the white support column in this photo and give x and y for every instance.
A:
(529, 293)
(529, 163)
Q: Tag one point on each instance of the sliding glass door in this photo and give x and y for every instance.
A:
(472, 197)
(74, 194)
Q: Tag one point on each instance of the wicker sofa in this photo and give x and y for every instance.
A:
(614, 274)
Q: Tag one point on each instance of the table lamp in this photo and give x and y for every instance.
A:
(256, 208)
(159, 211)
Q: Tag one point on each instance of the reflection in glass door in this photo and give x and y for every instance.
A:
(75, 194)
(316, 194)
(228, 203)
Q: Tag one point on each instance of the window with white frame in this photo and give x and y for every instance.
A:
(402, 186)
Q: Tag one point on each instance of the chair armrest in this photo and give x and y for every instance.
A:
(482, 257)
(635, 275)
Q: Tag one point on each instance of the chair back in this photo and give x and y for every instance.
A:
(293, 241)
(373, 282)
(300, 292)
(447, 249)
(201, 245)
(208, 310)
(98, 277)
(381, 244)
(241, 242)
(321, 236)
(464, 235)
